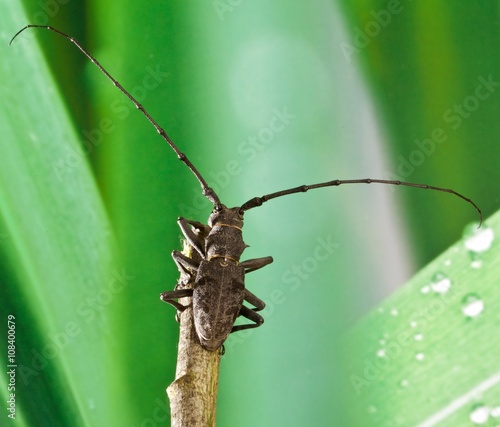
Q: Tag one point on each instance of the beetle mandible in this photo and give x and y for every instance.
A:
(219, 289)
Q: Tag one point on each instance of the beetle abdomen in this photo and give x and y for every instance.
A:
(217, 298)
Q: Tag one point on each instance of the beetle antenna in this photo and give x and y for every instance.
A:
(258, 201)
(208, 192)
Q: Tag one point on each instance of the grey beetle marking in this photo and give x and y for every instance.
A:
(218, 290)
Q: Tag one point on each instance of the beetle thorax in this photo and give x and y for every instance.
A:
(225, 239)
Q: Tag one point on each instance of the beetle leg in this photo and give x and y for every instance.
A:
(184, 264)
(254, 300)
(256, 263)
(169, 297)
(250, 315)
(197, 242)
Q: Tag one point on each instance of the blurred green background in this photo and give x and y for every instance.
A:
(371, 89)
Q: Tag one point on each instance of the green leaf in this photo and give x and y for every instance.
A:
(57, 247)
(216, 80)
(434, 74)
(427, 356)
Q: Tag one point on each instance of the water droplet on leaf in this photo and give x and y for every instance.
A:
(478, 239)
(472, 305)
(440, 283)
(404, 383)
(475, 260)
(479, 414)
(425, 289)
(495, 412)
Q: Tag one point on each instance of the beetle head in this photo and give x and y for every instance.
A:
(227, 216)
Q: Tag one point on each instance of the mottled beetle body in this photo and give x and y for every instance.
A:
(219, 285)
(218, 295)
(218, 291)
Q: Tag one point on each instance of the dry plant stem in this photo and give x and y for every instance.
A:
(193, 394)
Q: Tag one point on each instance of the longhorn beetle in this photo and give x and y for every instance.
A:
(219, 289)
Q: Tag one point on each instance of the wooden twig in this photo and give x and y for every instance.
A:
(193, 394)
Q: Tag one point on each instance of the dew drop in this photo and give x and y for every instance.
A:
(381, 352)
(420, 356)
(472, 305)
(475, 260)
(478, 239)
(413, 324)
(419, 337)
(425, 289)
(404, 383)
(394, 312)
(495, 412)
(479, 414)
(440, 283)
